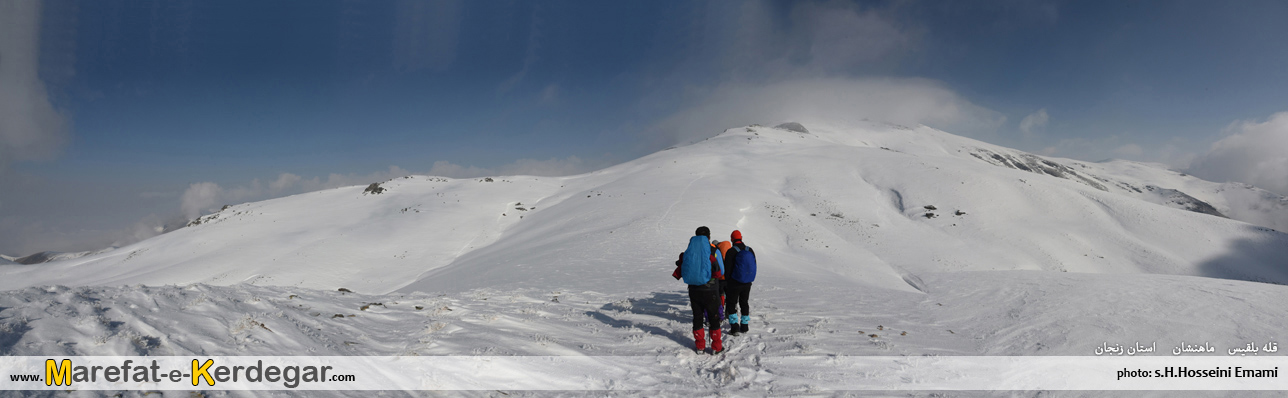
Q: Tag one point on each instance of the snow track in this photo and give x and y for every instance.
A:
(794, 332)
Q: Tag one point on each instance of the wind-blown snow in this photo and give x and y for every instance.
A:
(970, 248)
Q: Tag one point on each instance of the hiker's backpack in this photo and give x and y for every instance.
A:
(744, 265)
(724, 248)
(696, 267)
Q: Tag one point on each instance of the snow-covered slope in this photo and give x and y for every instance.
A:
(847, 204)
(852, 204)
(862, 234)
(1156, 184)
(1234, 200)
(797, 342)
(1034, 313)
(45, 257)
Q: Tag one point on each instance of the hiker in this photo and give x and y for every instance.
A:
(740, 264)
(701, 266)
(724, 287)
(722, 246)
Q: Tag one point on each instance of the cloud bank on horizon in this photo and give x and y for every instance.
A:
(1251, 152)
(30, 127)
(167, 125)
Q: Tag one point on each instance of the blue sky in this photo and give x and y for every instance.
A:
(125, 115)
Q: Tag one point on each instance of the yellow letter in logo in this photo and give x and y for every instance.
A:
(60, 375)
(202, 371)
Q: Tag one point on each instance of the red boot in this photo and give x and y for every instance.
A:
(717, 346)
(700, 339)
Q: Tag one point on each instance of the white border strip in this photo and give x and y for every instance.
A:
(815, 373)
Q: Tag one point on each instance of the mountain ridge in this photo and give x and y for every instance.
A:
(850, 203)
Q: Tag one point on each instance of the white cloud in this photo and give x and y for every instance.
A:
(835, 101)
(798, 61)
(200, 198)
(1251, 152)
(30, 127)
(149, 226)
(284, 181)
(1175, 153)
(1034, 122)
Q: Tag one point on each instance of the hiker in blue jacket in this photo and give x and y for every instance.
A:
(740, 262)
(701, 267)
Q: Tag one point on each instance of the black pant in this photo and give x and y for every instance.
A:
(705, 300)
(736, 294)
(723, 291)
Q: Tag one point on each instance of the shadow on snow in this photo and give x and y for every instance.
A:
(670, 310)
(1263, 258)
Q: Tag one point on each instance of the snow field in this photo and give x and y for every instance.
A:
(962, 313)
(877, 230)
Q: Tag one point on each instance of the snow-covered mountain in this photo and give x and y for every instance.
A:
(876, 206)
(876, 240)
(1156, 184)
(48, 256)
